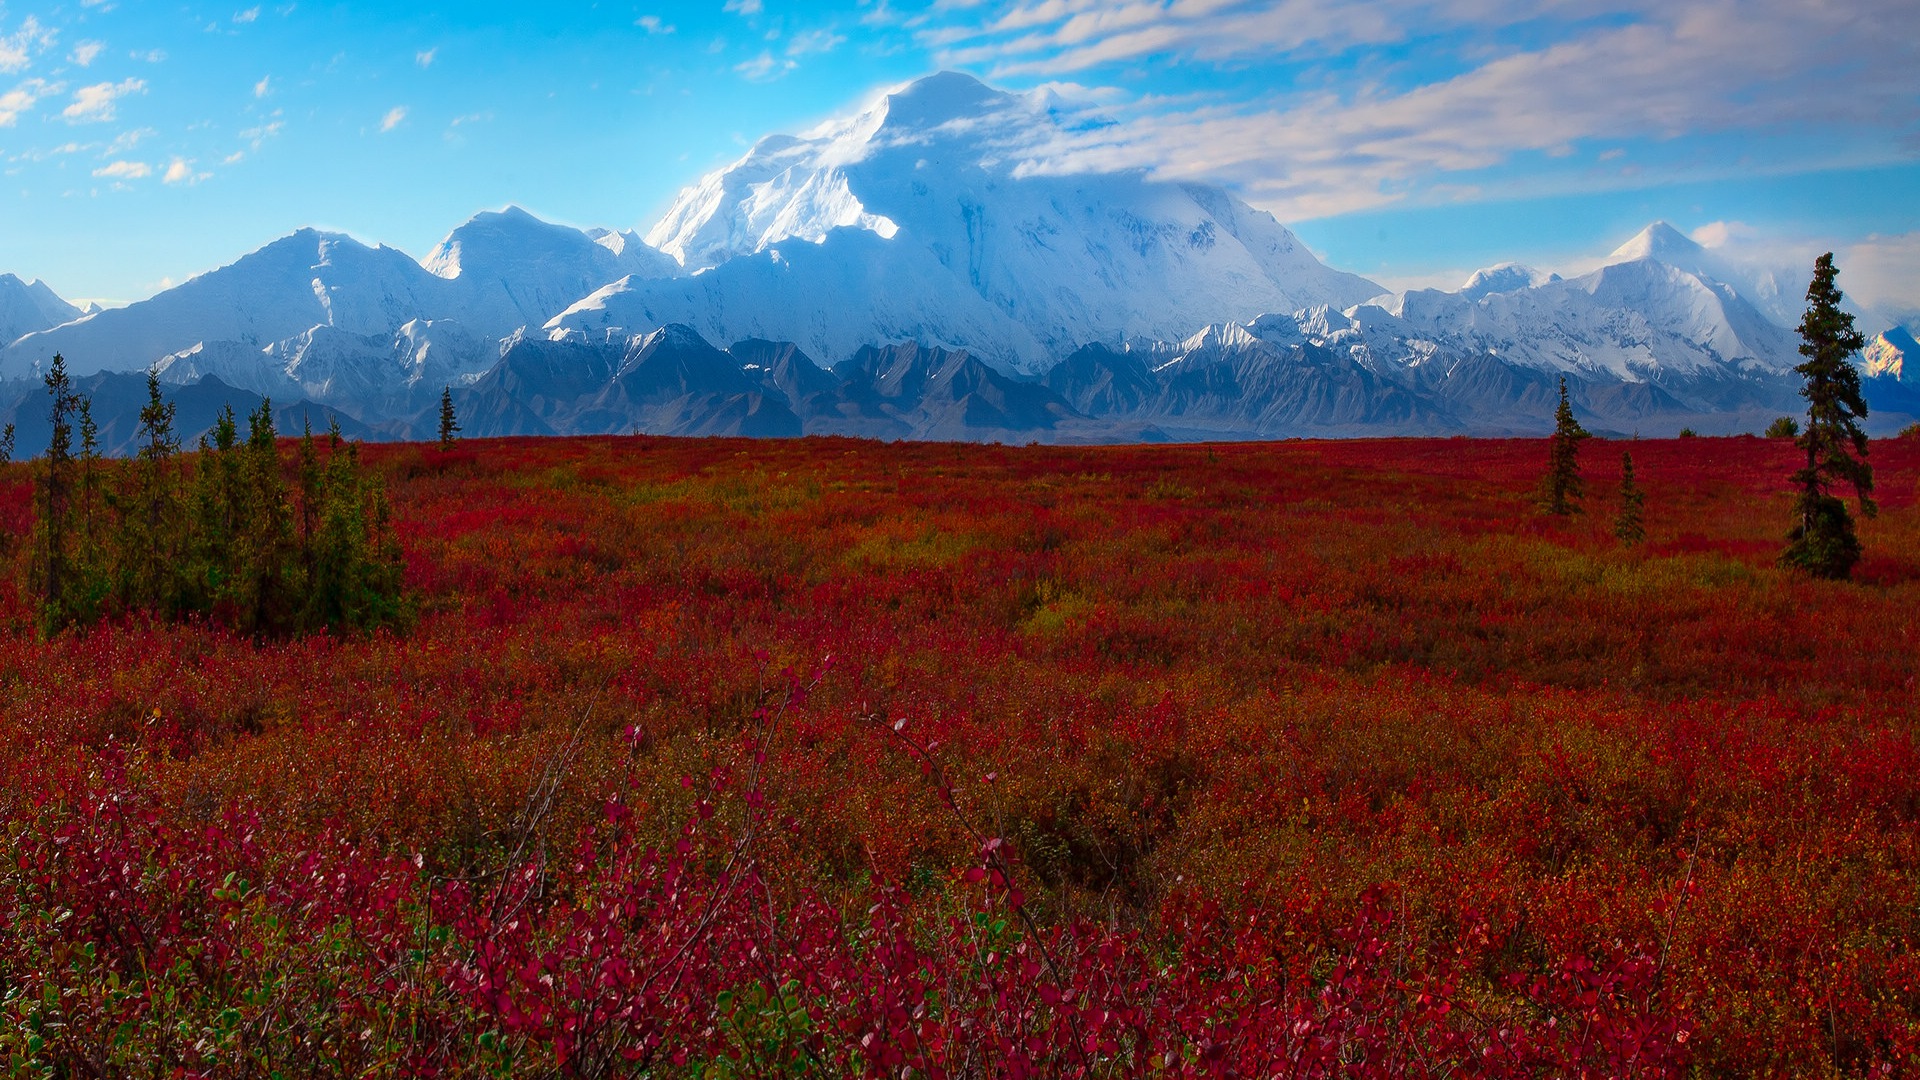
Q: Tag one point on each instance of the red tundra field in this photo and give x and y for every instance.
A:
(832, 758)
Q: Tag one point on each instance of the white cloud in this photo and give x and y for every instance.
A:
(425, 57)
(1719, 233)
(254, 136)
(241, 18)
(765, 67)
(181, 171)
(263, 87)
(394, 118)
(652, 24)
(150, 56)
(234, 158)
(1881, 274)
(744, 7)
(1775, 68)
(125, 170)
(95, 104)
(127, 140)
(21, 98)
(86, 52)
(18, 49)
(814, 41)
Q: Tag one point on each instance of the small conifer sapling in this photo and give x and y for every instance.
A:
(1629, 527)
(1563, 490)
(449, 424)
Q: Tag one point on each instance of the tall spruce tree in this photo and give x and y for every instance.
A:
(1562, 489)
(265, 589)
(53, 532)
(448, 423)
(151, 517)
(92, 579)
(216, 505)
(1822, 541)
(1629, 528)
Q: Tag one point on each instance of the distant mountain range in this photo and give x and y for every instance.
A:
(911, 272)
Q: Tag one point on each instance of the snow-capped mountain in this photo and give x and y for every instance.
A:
(494, 274)
(292, 285)
(943, 170)
(509, 269)
(921, 269)
(1775, 292)
(27, 306)
(1639, 321)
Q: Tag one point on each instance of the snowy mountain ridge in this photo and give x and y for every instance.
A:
(27, 306)
(920, 227)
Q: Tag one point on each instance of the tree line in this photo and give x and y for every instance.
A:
(1822, 540)
(235, 532)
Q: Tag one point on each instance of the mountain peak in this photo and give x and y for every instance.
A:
(1662, 242)
(1887, 354)
(941, 99)
(1503, 278)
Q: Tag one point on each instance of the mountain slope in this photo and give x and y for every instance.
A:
(298, 282)
(27, 306)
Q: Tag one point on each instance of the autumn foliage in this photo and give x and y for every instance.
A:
(711, 758)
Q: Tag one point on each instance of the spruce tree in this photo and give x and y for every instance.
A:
(53, 532)
(1562, 489)
(1822, 541)
(309, 478)
(448, 424)
(151, 521)
(264, 548)
(216, 499)
(6, 445)
(91, 578)
(1628, 528)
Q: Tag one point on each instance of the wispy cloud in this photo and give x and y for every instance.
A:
(1750, 66)
(764, 68)
(127, 140)
(652, 24)
(263, 87)
(85, 53)
(814, 41)
(242, 18)
(254, 136)
(95, 104)
(394, 118)
(28, 40)
(17, 101)
(1879, 274)
(425, 57)
(743, 7)
(125, 170)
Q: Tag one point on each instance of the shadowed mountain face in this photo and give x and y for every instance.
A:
(1226, 383)
(117, 398)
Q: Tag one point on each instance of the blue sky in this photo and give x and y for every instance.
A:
(1410, 140)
